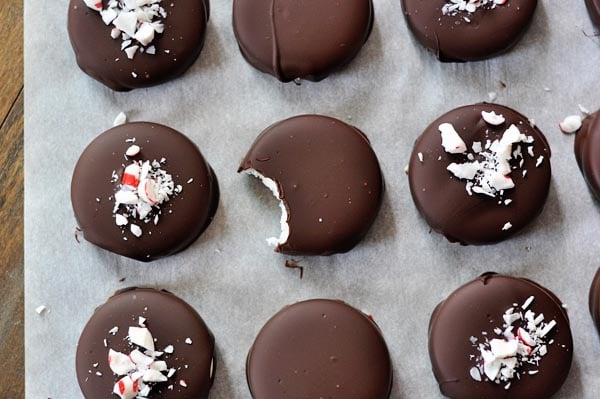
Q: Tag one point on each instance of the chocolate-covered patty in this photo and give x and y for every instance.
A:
(148, 342)
(480, 173)
(500, 337)
(151, 203)
(593, 7)
(132, 48)
(306, 39)
(456, 31)
(587, 152)
(328, 180)
(595, 300)
(319, 349)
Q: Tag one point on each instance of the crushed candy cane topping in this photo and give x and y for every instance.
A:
(456, 7)
(488, 168)
(135, 22)
(139, 370)
(522, 341)
(143, 187)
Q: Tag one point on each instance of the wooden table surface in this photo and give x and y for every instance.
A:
(11, 199)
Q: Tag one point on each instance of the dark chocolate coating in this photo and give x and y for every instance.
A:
(593, 7)
(452, 39)
(442, 198)
(96, 51)
(587, 152)
(306, 39)
(192, 210)
(170, 321)
(478, 306)
(319, 349)
(594, 300)
(328, 177)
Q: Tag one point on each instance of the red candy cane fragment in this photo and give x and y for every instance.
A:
(131, 176)
(126, 388)
(94, 4)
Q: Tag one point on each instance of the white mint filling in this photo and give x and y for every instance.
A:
(500, 359)
(285, 227)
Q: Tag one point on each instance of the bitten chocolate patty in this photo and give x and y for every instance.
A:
(455, 31)
(327, 178)
(500, 337)
(307, 39)
(146, 205)
(587, 152)
(480, 173)
(128, 48)
(148, 342)
(319, 349)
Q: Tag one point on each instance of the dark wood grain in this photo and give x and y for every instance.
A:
(11, 198)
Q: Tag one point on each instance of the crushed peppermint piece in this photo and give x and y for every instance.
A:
(570, 124)
(507, 226)
(169, 349)
(539, 161)
(492, 118)
(190, 180)
(501, 359)
(40, 309)
(487, 170)
(138, 372)
(451, 141)
(183, 383)
(456, 7)
(420, 155)
(136, 22)
(188, 341)
(120, 119)
(143, 187)
(114, 330)
(583, 109)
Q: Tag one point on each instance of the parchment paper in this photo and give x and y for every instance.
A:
(392, 91)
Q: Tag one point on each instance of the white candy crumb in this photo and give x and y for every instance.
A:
(188, 341)
(539, 161)
(492, 118)
(120, 220)
(40, 309)
(583, 109)
(507, 226)
(570, 124)
(183, 383)
(169, 349)
(420, 155)
(133, 150)
(114, 330)
(451, 141)
(120, 119)
(135, 230)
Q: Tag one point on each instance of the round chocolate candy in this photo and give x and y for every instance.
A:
(594, 300)
(306, 39)
(128, 45)
(319, 349)
(500, 337)
(144, 191)
(145, 342)
(480, 173)
(327, 178)
(468, 31)
(587, 148)
(593, 7)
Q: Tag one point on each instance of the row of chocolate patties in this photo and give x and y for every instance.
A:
(494, 337)
(127, 45)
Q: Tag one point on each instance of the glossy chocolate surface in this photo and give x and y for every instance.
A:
(594, 300)
(306, 39)
(319, 349)
(96, 51)
(442, 198)
(170, 320)
(587, 152)
(328, 177)
(453, 39)
(184, 217)
(593, 7)
(478, 307)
